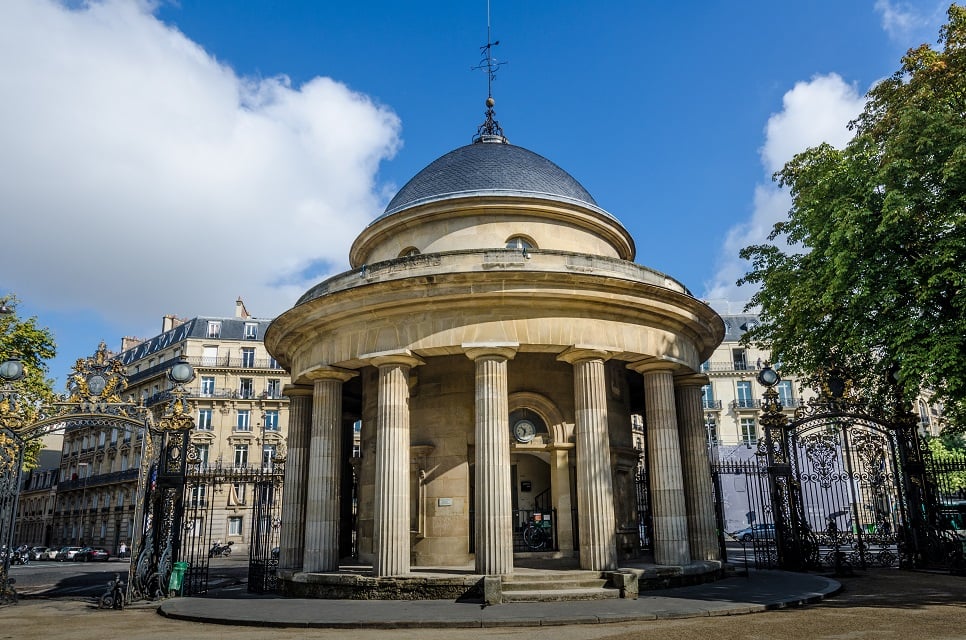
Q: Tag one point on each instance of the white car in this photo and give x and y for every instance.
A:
(67, 553)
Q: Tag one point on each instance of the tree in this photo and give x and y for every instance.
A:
(33, 345)
(871, 271)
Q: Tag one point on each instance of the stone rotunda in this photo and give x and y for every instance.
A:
(492, 344)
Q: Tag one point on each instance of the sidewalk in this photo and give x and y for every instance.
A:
(761, 591)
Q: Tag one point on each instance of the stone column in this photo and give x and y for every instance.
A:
(325, 471)
(668, 506)
(391, 544)
(494, 509)
(292, 529)
(696, 468)
(595, 485)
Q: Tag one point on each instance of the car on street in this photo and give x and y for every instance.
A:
(51, 553)
(67, 553)
(763, 531)
(92, 554)
(38, 553)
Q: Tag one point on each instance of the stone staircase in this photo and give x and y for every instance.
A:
(550, 586)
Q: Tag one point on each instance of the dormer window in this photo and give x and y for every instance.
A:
(519, 242)
(409, 252)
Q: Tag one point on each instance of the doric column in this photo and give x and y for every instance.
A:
(595, 486)
(494, 509)
(391, 544)
(292, 529)
(696, 468)
(325, 471)
(668, 507)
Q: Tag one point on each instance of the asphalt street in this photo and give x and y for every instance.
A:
(872, 605)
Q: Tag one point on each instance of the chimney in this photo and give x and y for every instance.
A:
(128, 342)
(169, 322)
(240, 310)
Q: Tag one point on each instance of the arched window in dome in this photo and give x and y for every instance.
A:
(409, 252)
(520, 242)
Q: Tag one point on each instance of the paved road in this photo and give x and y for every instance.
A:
(873, 605)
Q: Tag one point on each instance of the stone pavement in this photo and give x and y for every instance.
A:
(760, 591)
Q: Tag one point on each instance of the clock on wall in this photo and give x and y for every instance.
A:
(524, 430)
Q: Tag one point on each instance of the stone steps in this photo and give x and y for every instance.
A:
(555, 587)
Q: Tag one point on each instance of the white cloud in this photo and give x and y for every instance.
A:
(908, 23)
(812, 112)
(139, 176)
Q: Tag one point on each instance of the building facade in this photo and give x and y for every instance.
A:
(240, 419)
(495, 341)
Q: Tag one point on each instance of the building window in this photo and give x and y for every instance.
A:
(738, 359)
(244, 420)
(214, 329)
(236, 494)
(271, 420)
(749, 432)
(785, 396)
(207, 386)
(409, 252)
(241, 455)
(273, 389)
(246, 388)
(744, 399)
(251, 331)
(204, 419)
(235, 526)
(519, 242)
(203, 450)
(268, 454)
(198, 495)
(248, 357)
(707, 397)
(209, 356)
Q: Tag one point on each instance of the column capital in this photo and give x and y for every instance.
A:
(296, 390)
(402, 357)
(327, 372)
(690, 380)
(502, 350)
(652, 365)
(579, 352)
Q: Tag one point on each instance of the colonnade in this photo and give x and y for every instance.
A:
(681, 497)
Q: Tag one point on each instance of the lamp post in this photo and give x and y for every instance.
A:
(11, 372)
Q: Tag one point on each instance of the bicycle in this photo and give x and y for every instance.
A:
(536, 535)
(8, 595)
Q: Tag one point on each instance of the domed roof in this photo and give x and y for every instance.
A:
(490, 168)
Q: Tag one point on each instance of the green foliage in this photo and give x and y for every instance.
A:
(873, 274)
(953, 481)
(33, 345)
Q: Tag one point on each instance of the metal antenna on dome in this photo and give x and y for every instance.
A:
(490, 130)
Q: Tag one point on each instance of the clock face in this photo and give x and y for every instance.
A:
(96, 384)
(524, 430)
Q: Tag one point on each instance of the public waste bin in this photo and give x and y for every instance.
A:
(177, 577)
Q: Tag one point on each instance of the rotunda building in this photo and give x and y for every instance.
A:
(489, 350)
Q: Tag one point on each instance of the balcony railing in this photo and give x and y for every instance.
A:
(729, 365)
(711, 405)
(236, 362)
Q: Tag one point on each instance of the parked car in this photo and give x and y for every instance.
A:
(52, 553)
(88, 554)
(38, 553)
(67, 553)
(763, 531)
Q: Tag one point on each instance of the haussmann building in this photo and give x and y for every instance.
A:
(493, 342)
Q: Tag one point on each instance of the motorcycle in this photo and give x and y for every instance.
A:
(219, 549)
(20, 557)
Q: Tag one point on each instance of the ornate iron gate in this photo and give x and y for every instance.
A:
(266, 518)
(850, 485)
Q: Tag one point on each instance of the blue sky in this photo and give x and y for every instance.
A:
(169, 157)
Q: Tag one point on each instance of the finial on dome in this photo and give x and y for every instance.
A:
(490, 130)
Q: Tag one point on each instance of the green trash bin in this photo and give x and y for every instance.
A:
(177, 577)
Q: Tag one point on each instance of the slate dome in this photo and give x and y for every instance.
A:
(494, 168)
